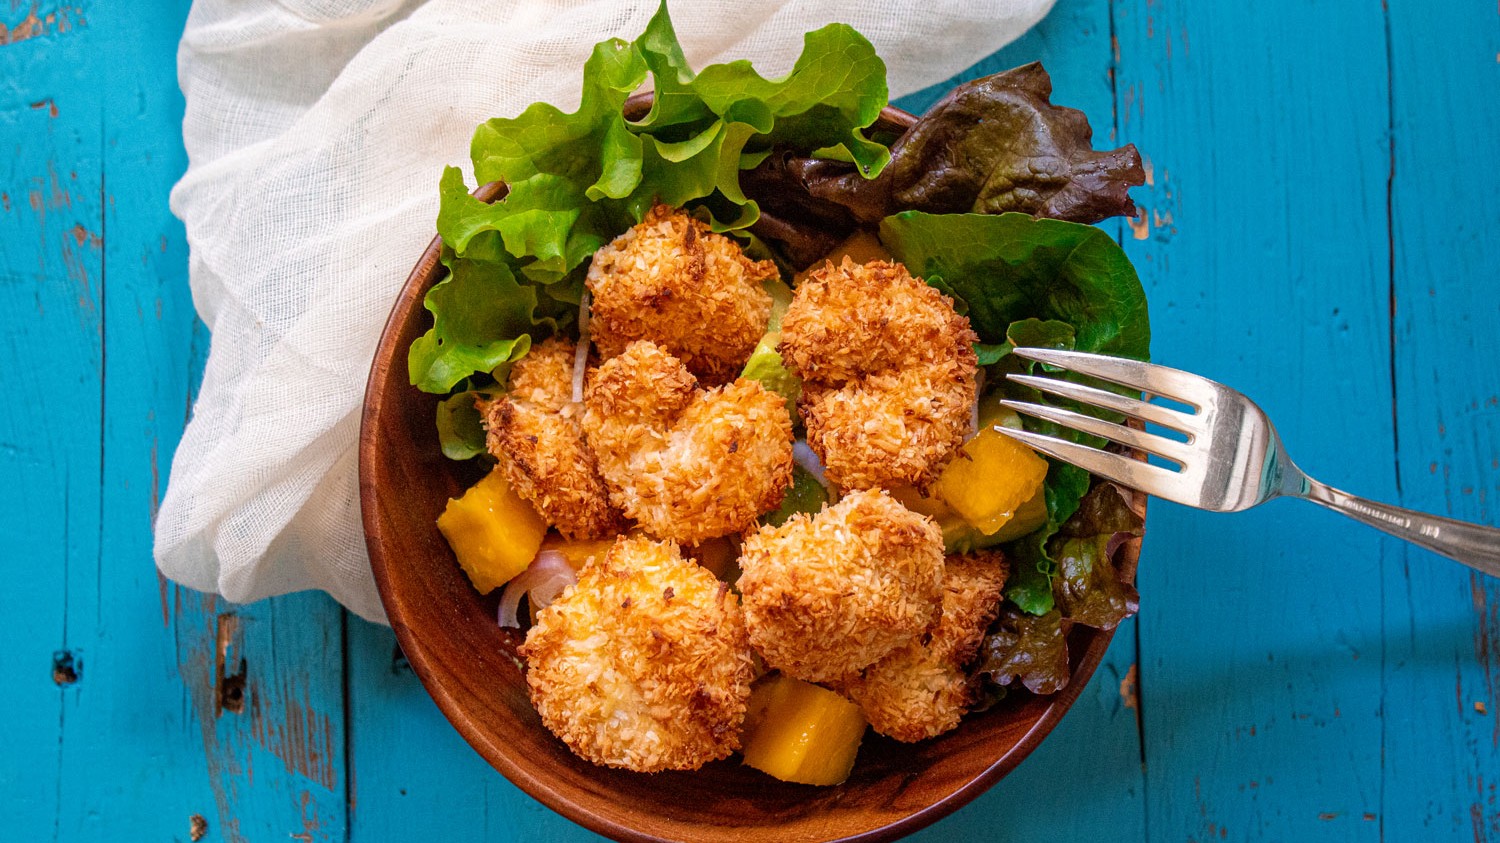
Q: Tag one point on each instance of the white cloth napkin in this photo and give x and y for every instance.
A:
(316, 131)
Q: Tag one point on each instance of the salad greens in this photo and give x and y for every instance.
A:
(577, 180)
(986, 197)
(1022, 281)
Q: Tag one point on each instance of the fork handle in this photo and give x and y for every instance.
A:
(1472, 544)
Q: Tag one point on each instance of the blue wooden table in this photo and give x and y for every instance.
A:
(1320, 228)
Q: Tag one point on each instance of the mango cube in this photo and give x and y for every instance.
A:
(577, 551)
(989, 480)
(799, 732)
(494, 533)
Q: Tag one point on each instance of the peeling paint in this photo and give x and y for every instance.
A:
(36, 24)
(301, 737)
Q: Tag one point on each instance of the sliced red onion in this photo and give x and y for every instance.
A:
(544, 579)
(803, 455)
(581, 354)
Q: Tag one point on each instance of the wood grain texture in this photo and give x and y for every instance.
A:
(118, 726)
(1442, 683)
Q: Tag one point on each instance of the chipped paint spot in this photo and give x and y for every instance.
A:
(67, 669)
(36, 24)
(197, 827)
(1328, 815)
(1140, 224)
(229, 688)
(1480, 708)
(49, 104)
(301, 737)
(1130, 690)
(1150, 170)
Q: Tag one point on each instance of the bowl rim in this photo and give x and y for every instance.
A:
(425, 273)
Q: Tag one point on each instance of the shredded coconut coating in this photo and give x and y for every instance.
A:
(828, 595)
(687, 464)
(534, 433)
(888, 371)
(921, 690)
(672, 281)
(644, 664)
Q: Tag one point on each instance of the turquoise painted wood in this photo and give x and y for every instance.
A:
(1318, 231)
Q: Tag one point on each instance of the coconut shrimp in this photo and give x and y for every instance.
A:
(534, 433)
(921, 689)
(687, 464)
(828, 595)
(672, 281)
(888, 373)
(644, 664)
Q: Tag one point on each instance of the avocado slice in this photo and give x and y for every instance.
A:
(765, 364)
(806, 494)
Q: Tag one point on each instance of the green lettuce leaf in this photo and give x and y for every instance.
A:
(1014, 267)
(482, 318)
(576, 180)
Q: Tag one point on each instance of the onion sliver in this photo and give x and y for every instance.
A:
(581, 355)
(545, 578)
(803, 455)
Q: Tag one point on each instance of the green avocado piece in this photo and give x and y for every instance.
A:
(806, 494)
(765, 364)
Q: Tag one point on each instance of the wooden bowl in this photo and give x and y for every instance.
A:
(470, 667)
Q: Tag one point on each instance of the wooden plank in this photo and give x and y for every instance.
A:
(1442, 690)
(413, 777)
(1263, 248)
(50, 424)
(1096, 751)
(144, 734)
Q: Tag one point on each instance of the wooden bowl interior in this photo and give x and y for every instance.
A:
(470, 667)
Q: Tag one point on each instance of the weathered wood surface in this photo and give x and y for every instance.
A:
(1318, 231)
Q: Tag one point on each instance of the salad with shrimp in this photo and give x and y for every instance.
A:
(733, 358)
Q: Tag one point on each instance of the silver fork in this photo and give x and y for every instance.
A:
(1232, 459)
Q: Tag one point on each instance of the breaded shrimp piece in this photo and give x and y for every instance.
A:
(644, 663)
(673, 281)
(888, 429)
(828, 595)
(687, 464)
(921, 690)
(534, 432)
(888, 371)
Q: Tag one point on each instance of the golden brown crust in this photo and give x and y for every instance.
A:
(672, 281)
(534, 433)
(888, 370)
(921, 690)
(688, 465)
(644, 664)
(826, 596)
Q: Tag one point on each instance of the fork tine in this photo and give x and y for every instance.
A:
(1150, 443)
(1132, 407)
(1147, 377)
(1153, 480)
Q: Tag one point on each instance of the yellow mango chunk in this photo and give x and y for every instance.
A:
(860, 247)
(799, 732)
(990, 479)
(577, 551)
(494, 533)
